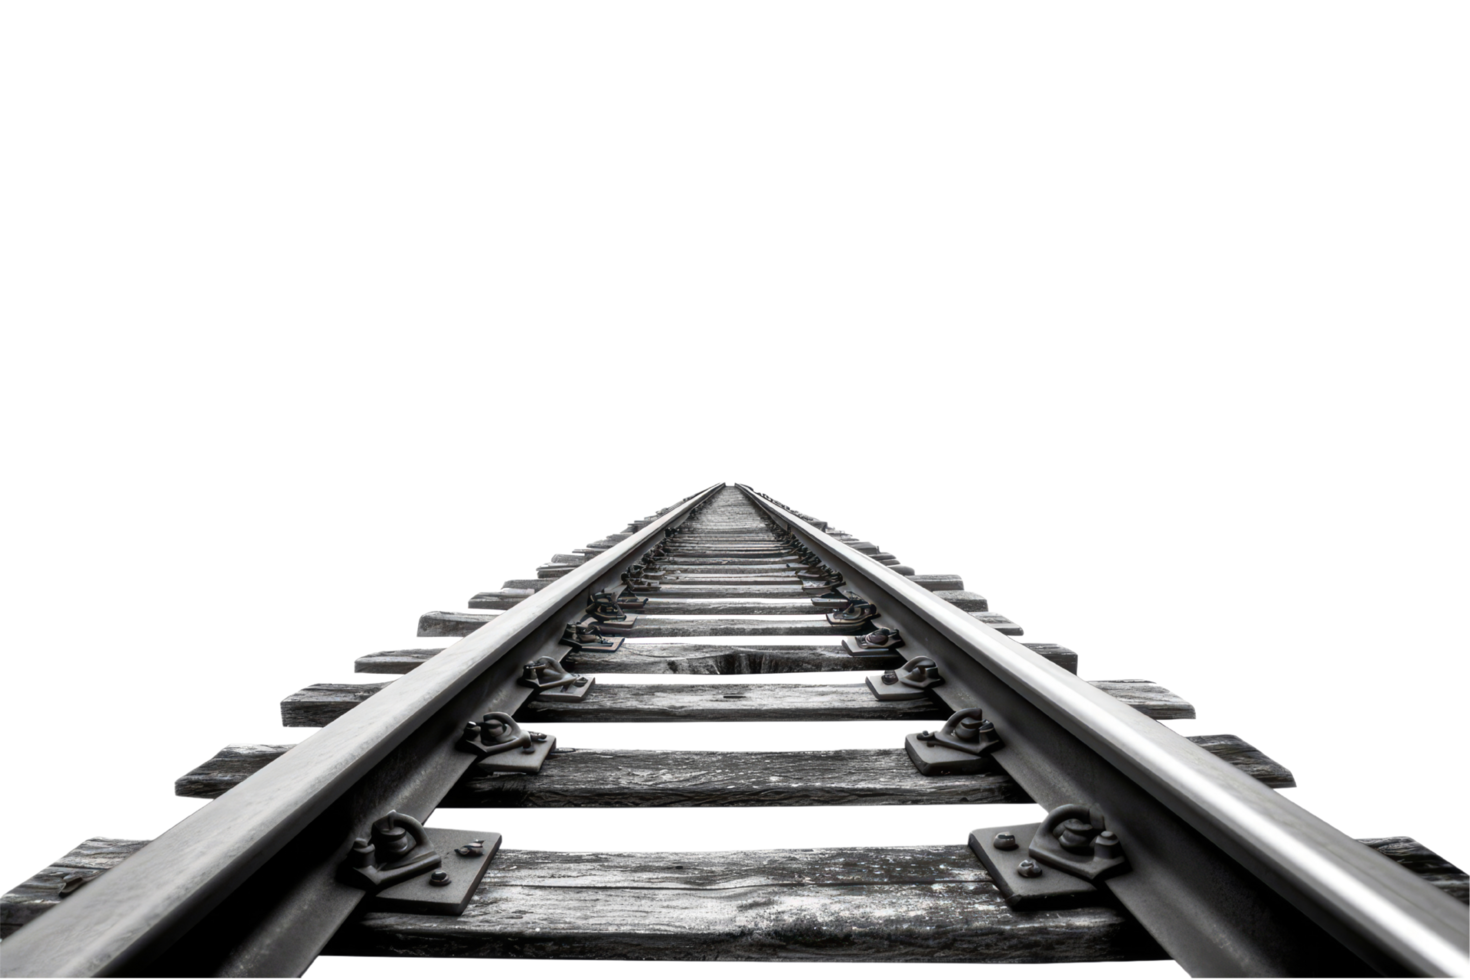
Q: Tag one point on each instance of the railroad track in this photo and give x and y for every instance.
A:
(1153, 845)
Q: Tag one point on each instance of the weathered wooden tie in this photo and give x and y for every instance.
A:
(320, 704)
(450, 623)
(635, 657)
(892, 904)
(663, 778)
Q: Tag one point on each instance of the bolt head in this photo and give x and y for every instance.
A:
(439, 878)
(1029, 869)
(1004, 842)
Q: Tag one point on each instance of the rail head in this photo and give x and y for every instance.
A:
(136, 909)
(1394, 920)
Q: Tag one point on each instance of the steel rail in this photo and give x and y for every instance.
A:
(128, 920)
(1229, 876)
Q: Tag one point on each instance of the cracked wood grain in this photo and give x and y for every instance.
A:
(319, 704)
(673, 658)
(449, 623)
(928, 904)
(892, 904)
(933, 904)
(702, 658)
(508, 597)
(661, 778)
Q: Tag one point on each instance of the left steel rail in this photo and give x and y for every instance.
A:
(246, 886)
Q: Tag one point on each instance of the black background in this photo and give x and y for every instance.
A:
(191, 635)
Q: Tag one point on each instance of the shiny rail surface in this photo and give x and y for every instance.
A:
(1394, 920)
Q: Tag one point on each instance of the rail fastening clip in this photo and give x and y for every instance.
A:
(962, 745)
(1069, 852)
(503, 746)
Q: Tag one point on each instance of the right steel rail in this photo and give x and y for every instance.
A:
(1230, 877)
